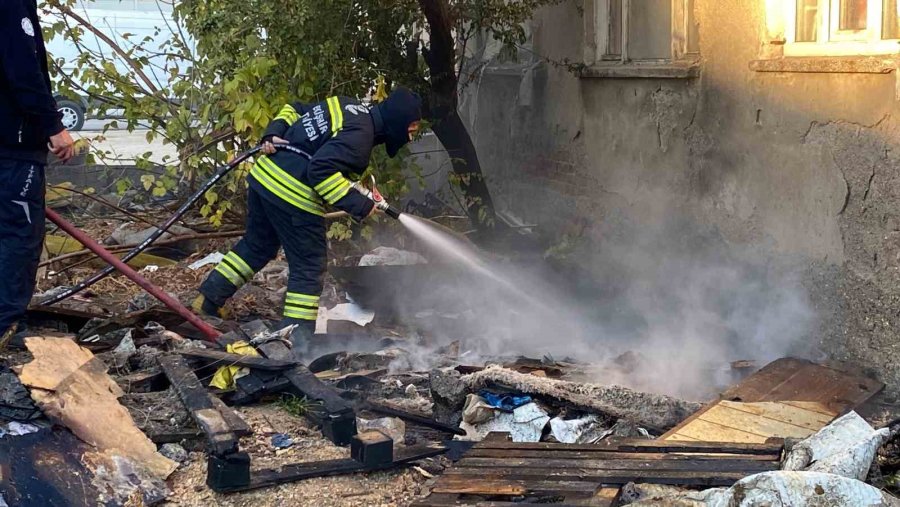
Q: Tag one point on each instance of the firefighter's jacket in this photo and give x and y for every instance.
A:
(338, 134)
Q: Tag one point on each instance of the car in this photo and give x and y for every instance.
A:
(122, 21)
(74, 111)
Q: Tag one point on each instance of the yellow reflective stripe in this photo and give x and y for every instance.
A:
(242, 266)
(339, 194)
(301, 314)
(337, 116)
(331, 114)
(336, 194)
(230, 275)
(332, 180)
(293, 297)
(288, 114)
(334, 188)
(260, 175)
(335, 184)
(287, 180)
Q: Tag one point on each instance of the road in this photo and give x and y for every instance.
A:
(123, 145)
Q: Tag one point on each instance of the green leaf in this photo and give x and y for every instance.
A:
(147, 181)
(122, 186)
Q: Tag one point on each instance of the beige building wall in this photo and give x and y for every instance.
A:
(793, 158)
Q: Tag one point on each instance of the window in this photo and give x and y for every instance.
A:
(841, 27)
(641, 31)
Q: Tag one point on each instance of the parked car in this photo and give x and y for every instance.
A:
(74, 111)
(125, 22)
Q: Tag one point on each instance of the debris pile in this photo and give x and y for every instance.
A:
(141, 407)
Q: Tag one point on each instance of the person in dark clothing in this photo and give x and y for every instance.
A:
(288, 194)
(29, 125)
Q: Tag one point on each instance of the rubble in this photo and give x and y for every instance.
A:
(174, 452)
(561, 432)
(477, 410)
(17, 429)
(71, 387)
(585, 430)
(448, 391)
(649, 410)
(387, 256)
(846, 447)
(391, 358)
(525, 424)
(350, 312)
(282, 441)
(15, 400)
(775, 489)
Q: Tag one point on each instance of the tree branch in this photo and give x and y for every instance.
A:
(111, 43)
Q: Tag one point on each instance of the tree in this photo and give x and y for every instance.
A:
(236, 61)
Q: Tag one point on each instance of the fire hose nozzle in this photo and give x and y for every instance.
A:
(375, 196)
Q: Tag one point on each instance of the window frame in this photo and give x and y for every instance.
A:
(599, 30)
(834, 42)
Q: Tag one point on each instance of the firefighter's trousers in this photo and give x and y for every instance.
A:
(301, 234)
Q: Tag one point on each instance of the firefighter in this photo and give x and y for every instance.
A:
(288, 194)
(29, 125)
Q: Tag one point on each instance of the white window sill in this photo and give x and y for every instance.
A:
(686, 70)
(828, 64)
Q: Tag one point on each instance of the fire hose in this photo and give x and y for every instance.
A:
(118, 264)
(179, 213)
(372, 194)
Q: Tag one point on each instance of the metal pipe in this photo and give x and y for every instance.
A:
(180, 212)
(208, 331)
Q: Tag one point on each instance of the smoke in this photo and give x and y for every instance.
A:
(663, 309)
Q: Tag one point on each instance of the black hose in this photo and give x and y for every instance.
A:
(180, 212)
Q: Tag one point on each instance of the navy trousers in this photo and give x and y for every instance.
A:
(301, 234)
(21, 236)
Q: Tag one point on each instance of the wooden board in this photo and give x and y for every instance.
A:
(219, 435)
(300, 471)
(72, 388)
(787, 398)
(496, 469)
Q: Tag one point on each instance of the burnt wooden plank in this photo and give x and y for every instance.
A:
(334, 414)
(198, 402)
(306, 381)
(597, 477)
(237, 423)
(173, 436)
(652, 446)
(749, 466)
(300, 471)
(790, 379)
(453, 499)
(143, 381)
(227, 359)
(631, 445)
(428, 422)
(579, 455)
(491, 485)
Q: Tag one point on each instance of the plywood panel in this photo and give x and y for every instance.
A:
(754, 423)
(787, 398)
(801, 415)
(700, 429)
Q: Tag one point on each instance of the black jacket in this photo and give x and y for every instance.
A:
(339, 133)
(28, 115)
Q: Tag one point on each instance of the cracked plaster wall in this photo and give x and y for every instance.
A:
(798, 166)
